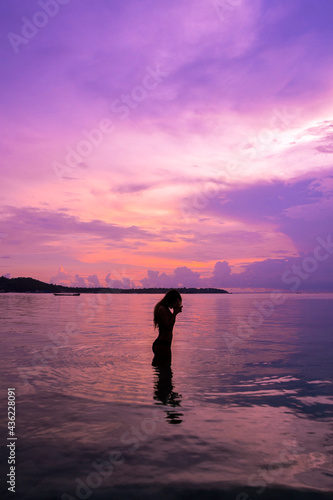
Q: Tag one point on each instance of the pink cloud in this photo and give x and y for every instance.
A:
(93, 281)
(225, 78)
(305, 273)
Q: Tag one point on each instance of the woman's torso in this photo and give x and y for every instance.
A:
(165, 328)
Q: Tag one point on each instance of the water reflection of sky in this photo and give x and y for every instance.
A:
(265, 406)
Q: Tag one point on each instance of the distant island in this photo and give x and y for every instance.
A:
(30, 285)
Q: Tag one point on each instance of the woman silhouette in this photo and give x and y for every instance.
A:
(165, 319)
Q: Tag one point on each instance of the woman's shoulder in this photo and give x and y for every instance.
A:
(163, 310)
(162, 307)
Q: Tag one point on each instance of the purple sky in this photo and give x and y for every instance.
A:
(167, 144)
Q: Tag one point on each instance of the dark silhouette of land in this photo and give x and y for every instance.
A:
(30, 285)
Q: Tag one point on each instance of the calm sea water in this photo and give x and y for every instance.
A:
(244, 412)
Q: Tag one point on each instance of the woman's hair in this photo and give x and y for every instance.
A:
(168, 300)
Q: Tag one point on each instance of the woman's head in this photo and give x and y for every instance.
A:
(170, 299)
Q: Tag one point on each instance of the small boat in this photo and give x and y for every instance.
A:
(69, 294)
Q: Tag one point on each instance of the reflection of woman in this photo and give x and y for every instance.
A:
(165, 395)
(165, 319)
